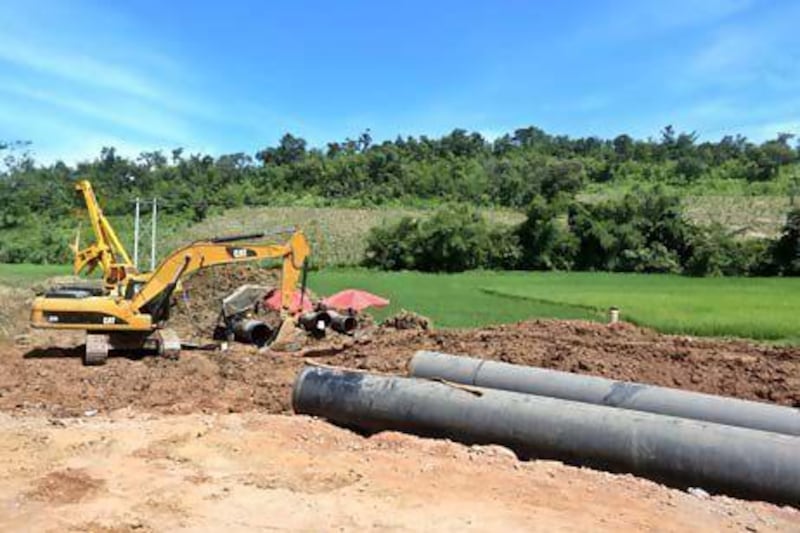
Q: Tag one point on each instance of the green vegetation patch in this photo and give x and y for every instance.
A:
(337, 235)
(450, 300)
(757, 308)
(23, 275)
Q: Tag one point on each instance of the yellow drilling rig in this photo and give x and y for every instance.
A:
(107, 252)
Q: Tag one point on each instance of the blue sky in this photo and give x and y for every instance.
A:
(234, 76)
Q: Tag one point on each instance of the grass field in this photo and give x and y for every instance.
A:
(758, 308)
(26, 275)
(454, 300)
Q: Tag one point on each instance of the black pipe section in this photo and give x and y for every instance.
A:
(601, 391)
(252, 236)
(315, 322)
(252, 332)
(345, 324)
(685, 452)
(234, 238)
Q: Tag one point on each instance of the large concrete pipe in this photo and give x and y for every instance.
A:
(686, 452)
(601, 391)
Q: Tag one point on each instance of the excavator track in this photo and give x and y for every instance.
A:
(97, 346)
(169, 343)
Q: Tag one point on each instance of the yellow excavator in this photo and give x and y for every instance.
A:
(107, 252)
(134, 316)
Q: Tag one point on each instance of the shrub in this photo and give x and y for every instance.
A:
(454, 239)
(544, 240)
(715, 252)
(786, 251)
(642, 232)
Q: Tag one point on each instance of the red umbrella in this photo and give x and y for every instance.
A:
(274, 301)
(355, 299)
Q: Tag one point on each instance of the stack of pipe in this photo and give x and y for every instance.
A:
(687, 439)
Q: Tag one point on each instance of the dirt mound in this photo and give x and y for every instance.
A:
(14, 310)
(196, 309)
(408, 320)
(243, 379)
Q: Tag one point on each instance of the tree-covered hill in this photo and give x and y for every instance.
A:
(37, 201)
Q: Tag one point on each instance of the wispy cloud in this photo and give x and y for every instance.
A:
(71, 94)
(647, 19)
(75, 66)
(748, 54)
(128, 113)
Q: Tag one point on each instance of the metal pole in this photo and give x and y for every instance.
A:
(136, 236)
(153, 236)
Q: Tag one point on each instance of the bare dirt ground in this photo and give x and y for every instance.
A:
(240, 472)
(205, 443)
(46, 373)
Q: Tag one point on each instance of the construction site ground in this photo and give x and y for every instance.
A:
(208, 442)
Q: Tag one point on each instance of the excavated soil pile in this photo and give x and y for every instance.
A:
(243, 379)
(408, 320)
(196, 309)
(16, 305)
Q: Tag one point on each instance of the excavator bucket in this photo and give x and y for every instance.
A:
(289, 337)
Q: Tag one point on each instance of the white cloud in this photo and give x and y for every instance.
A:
(127, 113)
(72, 91)
(76, 67)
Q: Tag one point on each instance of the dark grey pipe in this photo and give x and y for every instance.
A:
(684, 452)
(601, 391)
(252, 332)
(315, 322)
(340, 323)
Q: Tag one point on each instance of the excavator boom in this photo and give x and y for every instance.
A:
(205, 254)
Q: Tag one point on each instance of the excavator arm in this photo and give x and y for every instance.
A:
(155, 292)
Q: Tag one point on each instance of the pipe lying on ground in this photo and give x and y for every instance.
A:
(601, 391)
(252, 332)
(315, 322)
(687, 452)
(340, 323)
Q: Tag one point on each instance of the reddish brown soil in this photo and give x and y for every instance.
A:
(197, 308)
(65, 486)
(243, 379)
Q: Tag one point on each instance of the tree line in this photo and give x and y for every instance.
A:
(644, 231)
(461, 167)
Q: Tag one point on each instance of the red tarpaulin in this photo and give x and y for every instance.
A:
(274, 301)
(354, 299)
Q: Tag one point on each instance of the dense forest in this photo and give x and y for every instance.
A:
(522, 170)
